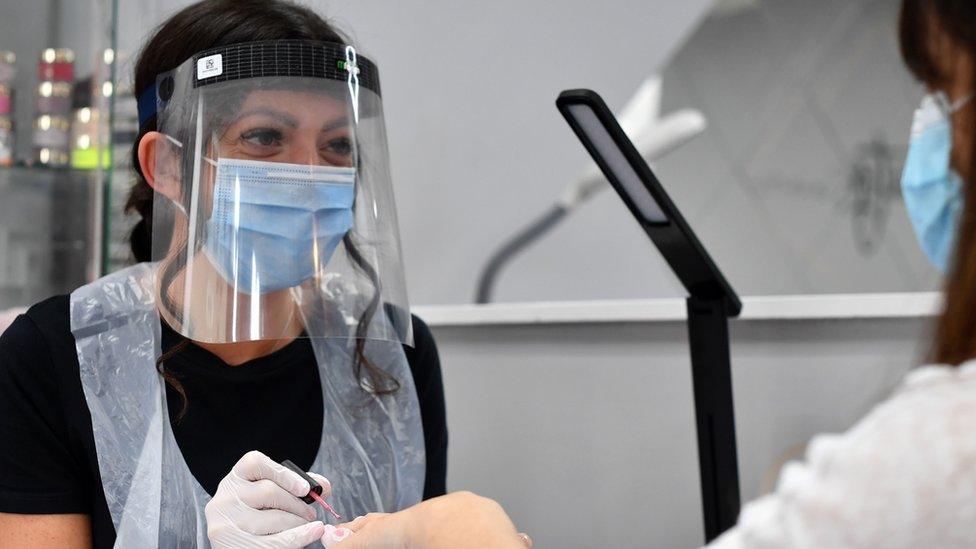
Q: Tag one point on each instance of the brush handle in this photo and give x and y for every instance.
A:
(311, 481)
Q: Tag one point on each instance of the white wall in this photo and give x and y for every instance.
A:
(585, 432)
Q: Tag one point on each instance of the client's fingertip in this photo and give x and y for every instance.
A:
(351, 524)
(334, 535)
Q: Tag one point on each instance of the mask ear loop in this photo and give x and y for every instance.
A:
(215, 143)
(961, 102)
(213, 139)
(179, 145)
(173, 140)
(946, 107)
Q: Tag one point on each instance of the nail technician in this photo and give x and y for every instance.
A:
(266, 321)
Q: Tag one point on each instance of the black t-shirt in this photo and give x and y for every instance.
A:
(48, 463)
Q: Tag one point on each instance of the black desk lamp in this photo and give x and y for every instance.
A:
(711, 303)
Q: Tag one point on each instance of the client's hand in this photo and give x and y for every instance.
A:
(257, 505)
(455, 521)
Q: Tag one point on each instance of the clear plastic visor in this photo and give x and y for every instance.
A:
(274, 214)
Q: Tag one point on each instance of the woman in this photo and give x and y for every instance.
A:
(154, 406)
(905, 475)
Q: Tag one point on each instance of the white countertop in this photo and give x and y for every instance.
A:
(796, 307)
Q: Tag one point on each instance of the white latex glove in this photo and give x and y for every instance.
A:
(257, 505)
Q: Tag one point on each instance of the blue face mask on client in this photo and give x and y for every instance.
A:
(274, 225)
(931, 188)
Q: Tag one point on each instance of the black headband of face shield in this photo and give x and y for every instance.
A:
(271, 58)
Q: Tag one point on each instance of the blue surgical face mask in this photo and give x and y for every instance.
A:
(275, 225)
(931, 188)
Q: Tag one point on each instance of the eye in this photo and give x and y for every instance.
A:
(263, 137)
(341, 146)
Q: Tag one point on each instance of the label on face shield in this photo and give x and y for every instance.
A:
(210, 66)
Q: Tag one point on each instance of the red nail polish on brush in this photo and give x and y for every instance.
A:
(315, 493)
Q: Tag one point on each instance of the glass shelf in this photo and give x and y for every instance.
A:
(57, 157)
(46, 232)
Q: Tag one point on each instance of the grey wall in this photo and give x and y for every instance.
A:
(796, 96)
(478, 147)
(477, 144)
(585, 433)
(795, 186)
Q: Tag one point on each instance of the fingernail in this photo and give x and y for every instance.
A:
(332, 535)
(310, 513)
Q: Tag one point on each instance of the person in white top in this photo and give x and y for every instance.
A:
(904, 475)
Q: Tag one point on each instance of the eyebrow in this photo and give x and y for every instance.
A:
(290, 121)
(277, 115)
(336, 124)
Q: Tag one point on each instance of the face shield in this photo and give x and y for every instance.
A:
(274, 214)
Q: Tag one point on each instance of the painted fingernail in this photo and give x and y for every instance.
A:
(341, 533)
(310, 513)
(334, 535)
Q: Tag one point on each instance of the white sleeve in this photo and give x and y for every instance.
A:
(904, 476)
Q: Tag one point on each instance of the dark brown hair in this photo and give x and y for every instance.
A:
(214, 23)
(922, 24)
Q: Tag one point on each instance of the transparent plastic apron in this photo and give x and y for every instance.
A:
(372, 447)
